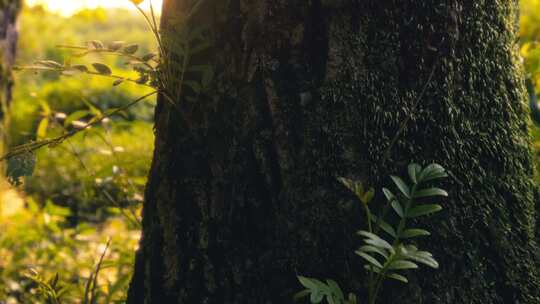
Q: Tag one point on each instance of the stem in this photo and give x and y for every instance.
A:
(403, 125)
(403, 220)
(158, 37)
(152, 28)
(60, 70)
(370, 271)
(380, 280)
(98, 268)
(368, 216)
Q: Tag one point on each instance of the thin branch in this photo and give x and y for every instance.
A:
(404, 123)
(158, 36)
(92, 280)
(154, 30)
(105, 51)
(26, 148)
(60, 70)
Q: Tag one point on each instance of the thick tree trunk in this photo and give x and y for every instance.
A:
(242, 193)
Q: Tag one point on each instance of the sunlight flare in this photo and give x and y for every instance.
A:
(69, 7)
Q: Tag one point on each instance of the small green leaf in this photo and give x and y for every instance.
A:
(302, 294)
(369, 248)
(45, 107)
(95, 44)
(80, 67)
(75, 116)
(148, 57)
(384, 225)
(116, 45)
(142, 80)
(131, 49)
(389, 195)
(430, 192)
(316, 297)
(102, 68)
(413, 232)
(397, 208)
(375, 240)
(398, 277)
(70, 72)
(401, 185)
(433, 171)
(423, 210)
(426, 260)
(49, 64)
(369, 258)
(368, 196)
(307, 282)
(352, 299)
(41, 132)
(335, 290)
(402, 264)
(414, 170)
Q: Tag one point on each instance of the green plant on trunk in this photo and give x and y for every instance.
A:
(387, 259)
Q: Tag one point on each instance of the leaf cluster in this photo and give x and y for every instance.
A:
(388, 259)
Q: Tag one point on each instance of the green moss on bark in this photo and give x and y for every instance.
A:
(310, 90)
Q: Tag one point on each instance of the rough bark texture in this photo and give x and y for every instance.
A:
(9, 10)
(242, 193)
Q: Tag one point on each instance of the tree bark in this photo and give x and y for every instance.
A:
(242, 195)
(9, 9)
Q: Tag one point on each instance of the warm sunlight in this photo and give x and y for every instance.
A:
(68, 7)
(269, 151)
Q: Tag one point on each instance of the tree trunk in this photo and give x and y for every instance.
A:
(9, 10)
(242, 195)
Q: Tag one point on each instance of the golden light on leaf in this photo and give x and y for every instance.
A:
(136, 2)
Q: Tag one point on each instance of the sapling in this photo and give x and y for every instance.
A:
(388, 256)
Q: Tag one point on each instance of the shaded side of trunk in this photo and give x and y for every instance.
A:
(242, 194)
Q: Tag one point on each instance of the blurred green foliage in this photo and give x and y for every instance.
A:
(95, 169)
(60, 175)
(91, 186)
(530, 38)
(36, 239)
(530, 51)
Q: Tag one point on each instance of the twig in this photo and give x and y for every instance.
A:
(60, 70)
(26, 148)
(404, 123)
(92, 280)
(154, 30)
